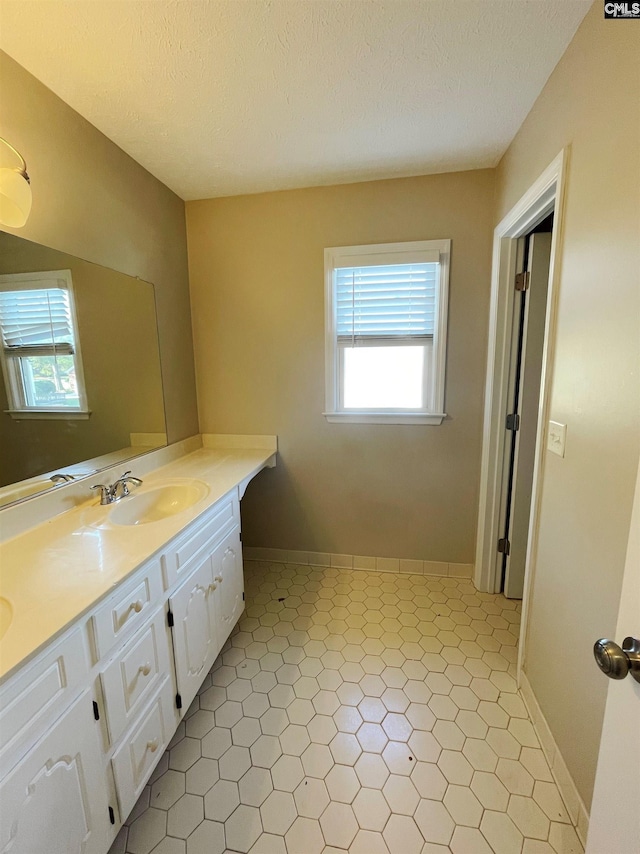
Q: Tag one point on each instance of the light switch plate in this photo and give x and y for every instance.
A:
(556, 438)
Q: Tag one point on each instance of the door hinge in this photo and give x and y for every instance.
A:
(112, 816)
(178, 701)
(243, 596)
(523, 280)
(96, 711)
(170, 619)
(513, 422)
(504, 546)
(240, 535)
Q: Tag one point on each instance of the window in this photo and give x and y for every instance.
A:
(40, 354)
(386, 324)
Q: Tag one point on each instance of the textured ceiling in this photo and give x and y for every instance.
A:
(221, 97)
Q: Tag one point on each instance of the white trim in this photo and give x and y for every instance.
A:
(49, 414)
(384, 418)
(388, 253)
(545, 194)
(568, 791)
(394, 565)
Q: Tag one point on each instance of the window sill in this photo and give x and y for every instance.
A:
(49, 414)
(433, 418)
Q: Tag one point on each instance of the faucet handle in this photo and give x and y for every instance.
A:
(105, 492)
(122, 484)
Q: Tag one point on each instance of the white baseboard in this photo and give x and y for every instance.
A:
(567, 788)
(371, 564)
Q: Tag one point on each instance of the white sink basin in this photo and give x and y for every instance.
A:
(159, 503)
(6, 615)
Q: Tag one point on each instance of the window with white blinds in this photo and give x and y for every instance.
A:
(36, 321)
(386, 324)
(39, 345)
(386, 301)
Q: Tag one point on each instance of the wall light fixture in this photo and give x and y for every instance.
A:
(15, 192)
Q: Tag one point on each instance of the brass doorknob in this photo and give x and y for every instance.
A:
(614, 661)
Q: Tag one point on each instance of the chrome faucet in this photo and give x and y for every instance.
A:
(109, 494)
(61, 478)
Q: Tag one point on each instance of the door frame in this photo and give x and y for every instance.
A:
(547, 193)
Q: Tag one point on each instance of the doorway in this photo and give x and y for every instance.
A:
(544, 197)
(522, 404)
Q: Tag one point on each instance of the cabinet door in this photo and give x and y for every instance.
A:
(229, 578)
(55, 800)
(194, 632)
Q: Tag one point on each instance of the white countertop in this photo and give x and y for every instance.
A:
(59, 570)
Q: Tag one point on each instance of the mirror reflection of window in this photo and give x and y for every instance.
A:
(40, 348)
(111, 352)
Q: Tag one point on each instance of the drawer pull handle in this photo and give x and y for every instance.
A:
(212, 587)
(136, 606)
(152, 745)
(145, 669)
(219, 579)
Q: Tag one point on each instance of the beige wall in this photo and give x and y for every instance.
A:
(592, 103)
(119, 348)
(93, 201)
(257, 289)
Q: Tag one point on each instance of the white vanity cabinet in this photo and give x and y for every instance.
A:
(83, 725)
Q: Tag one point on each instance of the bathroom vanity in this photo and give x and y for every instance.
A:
(116, 614)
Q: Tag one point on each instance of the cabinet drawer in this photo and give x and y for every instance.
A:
(128, 608)
(31, 699)
(129, 680)
(143, 746)
(217, 521)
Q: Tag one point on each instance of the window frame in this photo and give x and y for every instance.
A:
(373, 255)
(15, 389)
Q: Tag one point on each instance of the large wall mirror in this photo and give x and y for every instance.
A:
(81, 385)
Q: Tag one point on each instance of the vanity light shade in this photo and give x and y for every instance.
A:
(15, 197)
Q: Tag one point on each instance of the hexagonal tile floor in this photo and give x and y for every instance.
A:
(360, 712)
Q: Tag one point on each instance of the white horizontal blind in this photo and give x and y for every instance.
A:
(36, 321)
(387, 301)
